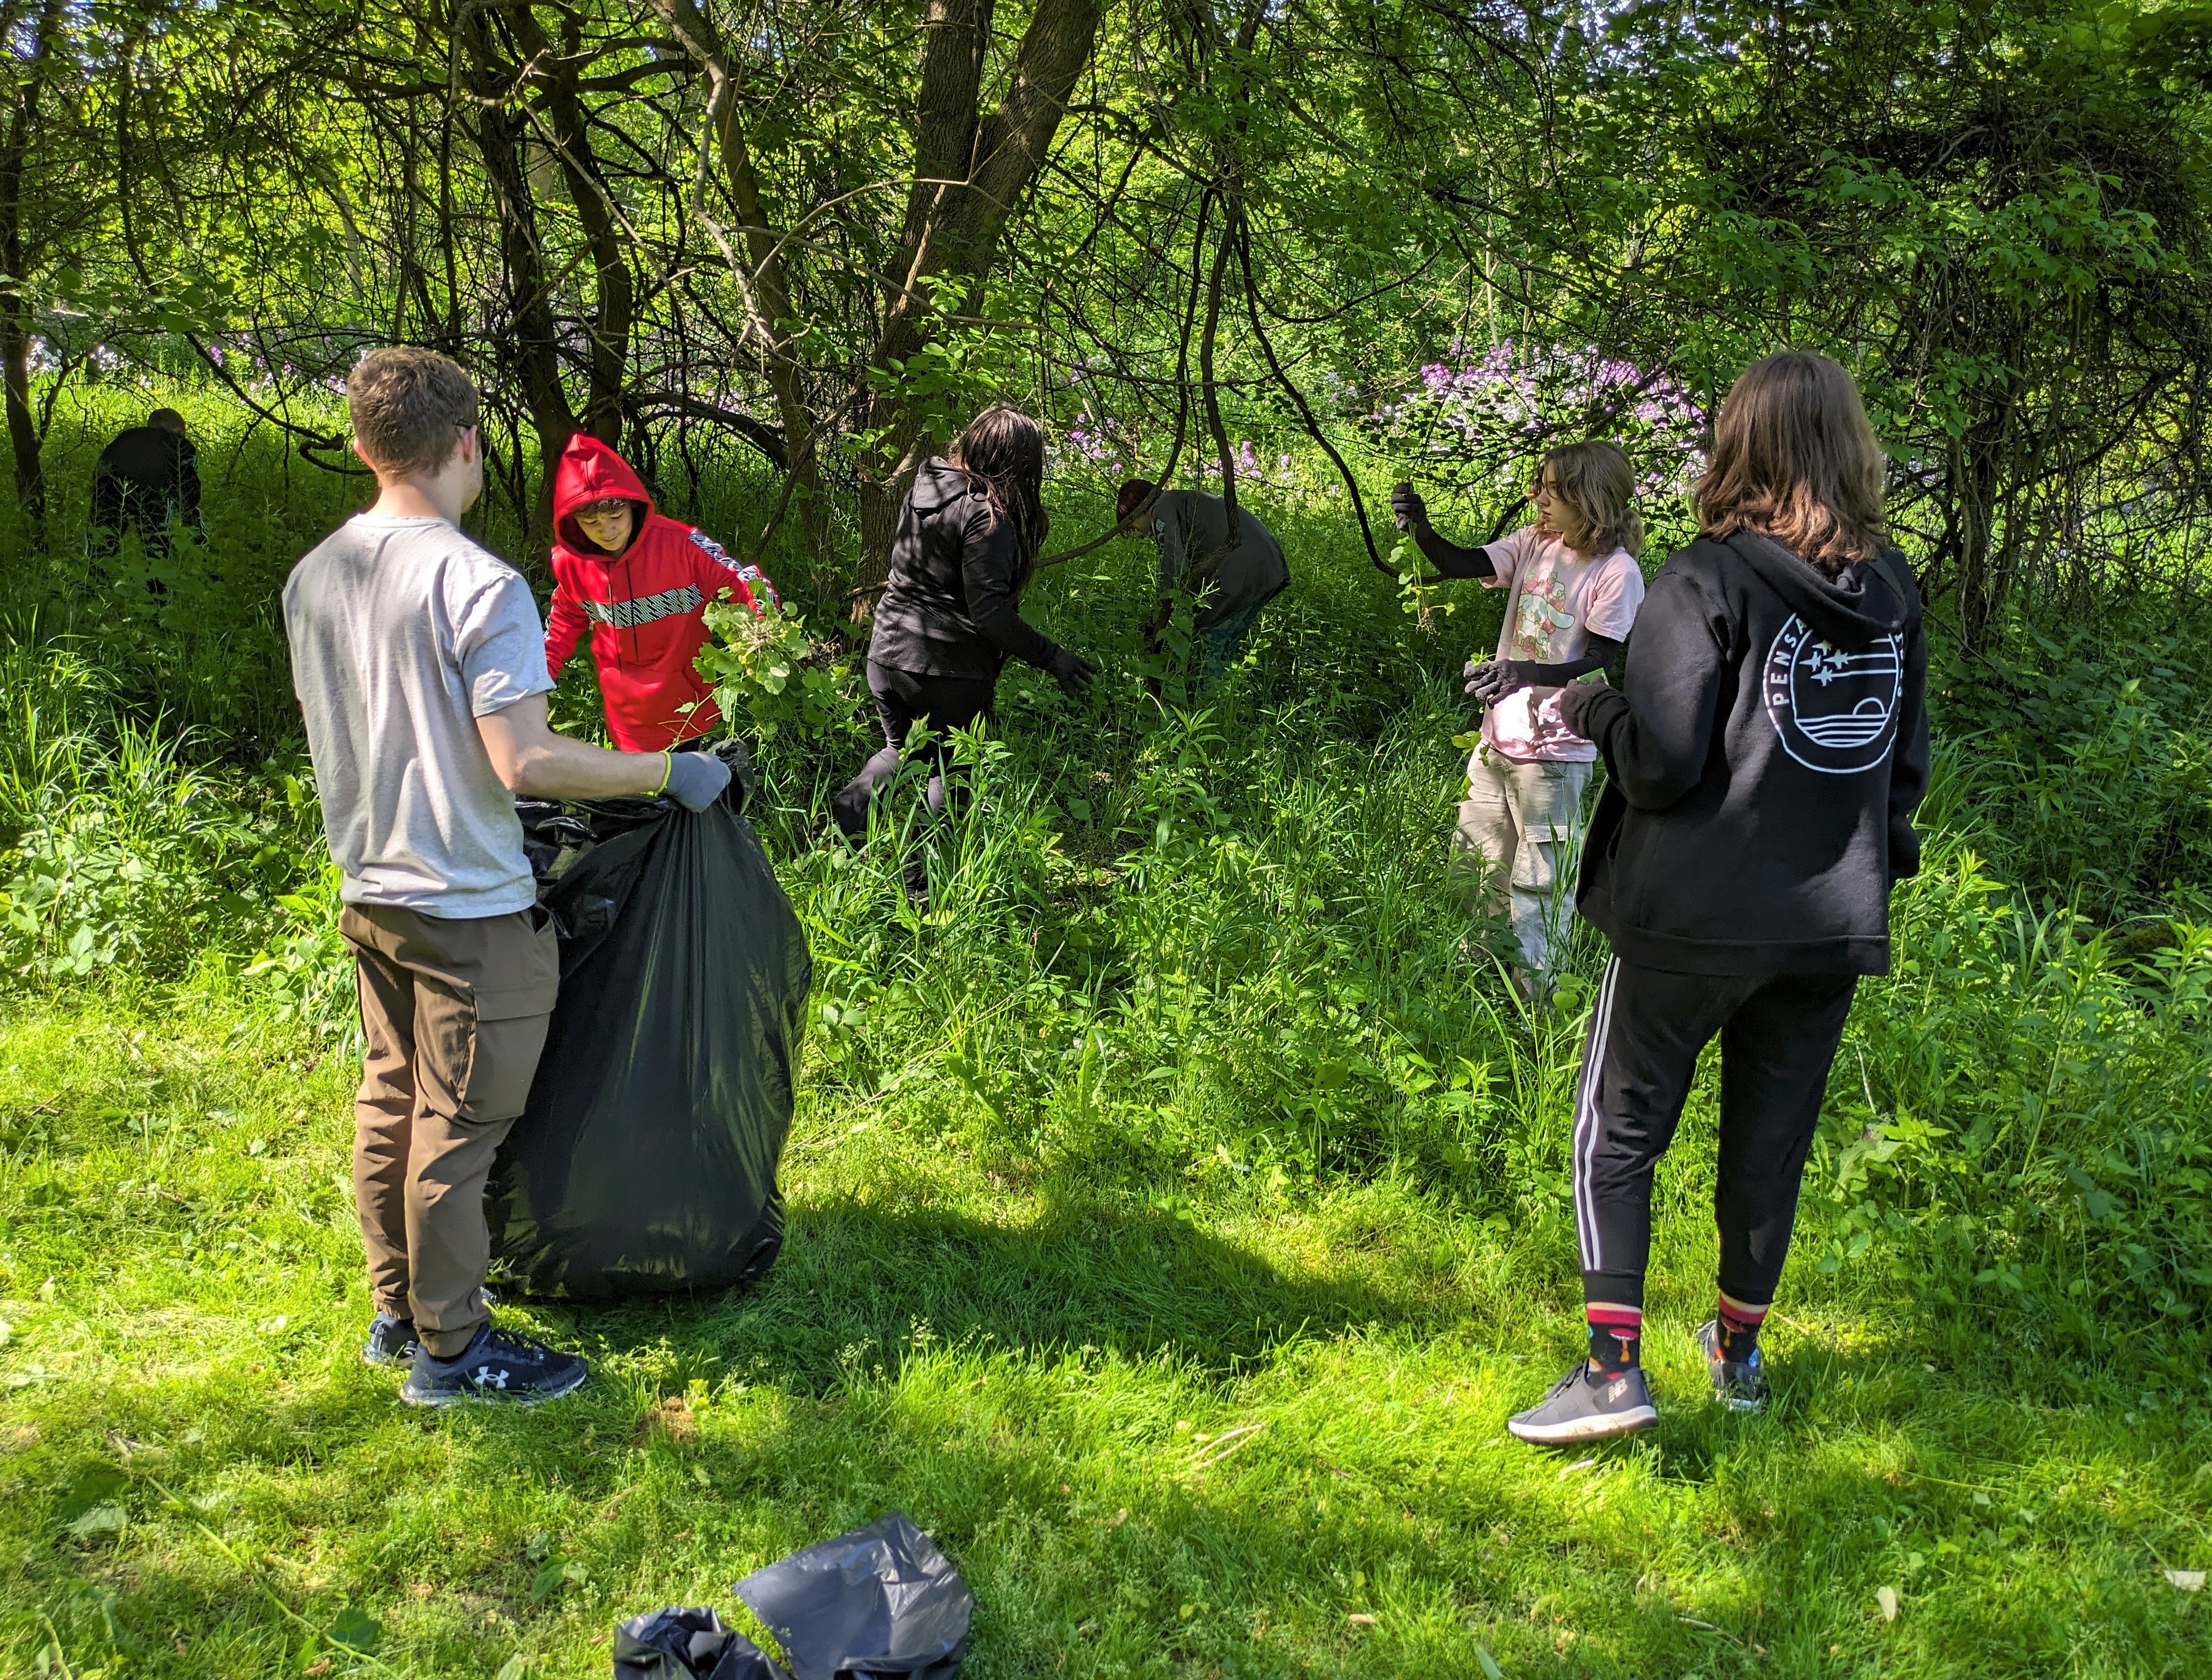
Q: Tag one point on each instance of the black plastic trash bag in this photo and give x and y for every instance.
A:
(881, 1601)
(688, 1645)
(646, 1158)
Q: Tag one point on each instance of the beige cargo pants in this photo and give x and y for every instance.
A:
(454, 1013)
(1517, 826)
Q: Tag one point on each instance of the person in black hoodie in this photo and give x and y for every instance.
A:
(147, 477)
(1763, 763)
(950, 616)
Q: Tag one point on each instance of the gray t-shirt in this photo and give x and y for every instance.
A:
(404, 632)
(1188, 525)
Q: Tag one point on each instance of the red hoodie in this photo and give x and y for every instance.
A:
(644, 606)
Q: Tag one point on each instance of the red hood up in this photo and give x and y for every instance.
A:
(590, 470)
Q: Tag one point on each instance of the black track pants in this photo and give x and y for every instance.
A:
(1779, 1035)
(902, 699)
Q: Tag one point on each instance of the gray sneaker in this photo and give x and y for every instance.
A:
(1583, 1406)
(1739, 1385)
(498, 1366)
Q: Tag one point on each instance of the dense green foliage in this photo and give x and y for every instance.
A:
(817, 235)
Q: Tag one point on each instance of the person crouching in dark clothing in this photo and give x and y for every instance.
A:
(1190, 531)
(950, 616)
(1763, 764)
(146, 478)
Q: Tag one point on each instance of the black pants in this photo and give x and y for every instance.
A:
(902, 699)
(1779, 1036)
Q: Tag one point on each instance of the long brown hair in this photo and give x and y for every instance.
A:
(1002, 453)
(1595, 488)
(1795, 457)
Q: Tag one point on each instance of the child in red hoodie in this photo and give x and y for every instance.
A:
(641, 581)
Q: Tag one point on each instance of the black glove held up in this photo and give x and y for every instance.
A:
(1407, 506)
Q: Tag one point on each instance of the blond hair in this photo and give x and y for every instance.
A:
(1795, 457)
(409, 407)
(1594, 487)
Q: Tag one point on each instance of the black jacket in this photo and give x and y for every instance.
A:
(1764, 761)
(953, 605)
(146, 475)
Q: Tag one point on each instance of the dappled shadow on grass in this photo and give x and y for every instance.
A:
(859, 1281)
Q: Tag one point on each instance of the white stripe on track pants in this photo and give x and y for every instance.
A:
(1779, 1036)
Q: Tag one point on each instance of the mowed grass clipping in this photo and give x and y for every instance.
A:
(1241, 1431)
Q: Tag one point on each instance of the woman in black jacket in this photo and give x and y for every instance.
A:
(1763, 763)
(950, 616)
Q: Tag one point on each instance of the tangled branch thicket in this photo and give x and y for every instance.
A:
(813, 237)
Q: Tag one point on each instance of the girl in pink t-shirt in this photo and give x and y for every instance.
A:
(1573, 588)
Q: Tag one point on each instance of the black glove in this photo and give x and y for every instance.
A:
(1407, 506)
(1575, 701)
(1070, 670)
(695, 780)
(1490, 682)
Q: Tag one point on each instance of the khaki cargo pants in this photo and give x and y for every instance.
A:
(1516, 826)
(454, 1013)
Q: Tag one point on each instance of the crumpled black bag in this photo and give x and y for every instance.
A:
(880, 1602)
(688, 1645)
(645, 1161)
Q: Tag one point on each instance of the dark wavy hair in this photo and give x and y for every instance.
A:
(1795, 457)
(1002, 453)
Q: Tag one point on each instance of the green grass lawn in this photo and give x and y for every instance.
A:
(1207, 1425)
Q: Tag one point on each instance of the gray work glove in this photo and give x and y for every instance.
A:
(695, 780)
(1407, 506)
(1492, 680)
(1071, 672)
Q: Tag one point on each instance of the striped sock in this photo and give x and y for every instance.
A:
(1739, 1328)
(1614, 1332)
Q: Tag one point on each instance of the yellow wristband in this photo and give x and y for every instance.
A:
(666, 773)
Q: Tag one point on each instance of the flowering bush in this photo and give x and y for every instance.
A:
(1479, 421)
(1117, 450)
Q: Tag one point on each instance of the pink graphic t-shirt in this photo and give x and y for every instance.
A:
(1558, 601)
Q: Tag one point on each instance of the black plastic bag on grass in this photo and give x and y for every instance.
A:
(645, 1161)
(878, 1603)
(688, 1645)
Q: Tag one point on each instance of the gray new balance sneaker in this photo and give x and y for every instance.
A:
(500, 1367)
(1583, 1406)
(1739, 1385)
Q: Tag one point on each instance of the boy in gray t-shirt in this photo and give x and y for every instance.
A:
(419, 662)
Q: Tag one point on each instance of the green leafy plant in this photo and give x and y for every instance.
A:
(767, 668)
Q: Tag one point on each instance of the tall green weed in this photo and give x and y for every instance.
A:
(2091, 772)
(2019, 1126)
(115, 849)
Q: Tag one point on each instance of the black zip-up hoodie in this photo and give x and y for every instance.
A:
(953, 605)
(1764, 760)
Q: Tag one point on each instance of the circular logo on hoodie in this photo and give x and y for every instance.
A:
(1835, 711)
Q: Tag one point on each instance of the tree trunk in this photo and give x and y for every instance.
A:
(761, 278)
(1976, 469)
(531, 339)
(31, 71)
(614, 297)
(23, 430)
(969, 170)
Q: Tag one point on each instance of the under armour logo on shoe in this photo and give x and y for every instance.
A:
(490, 1377)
